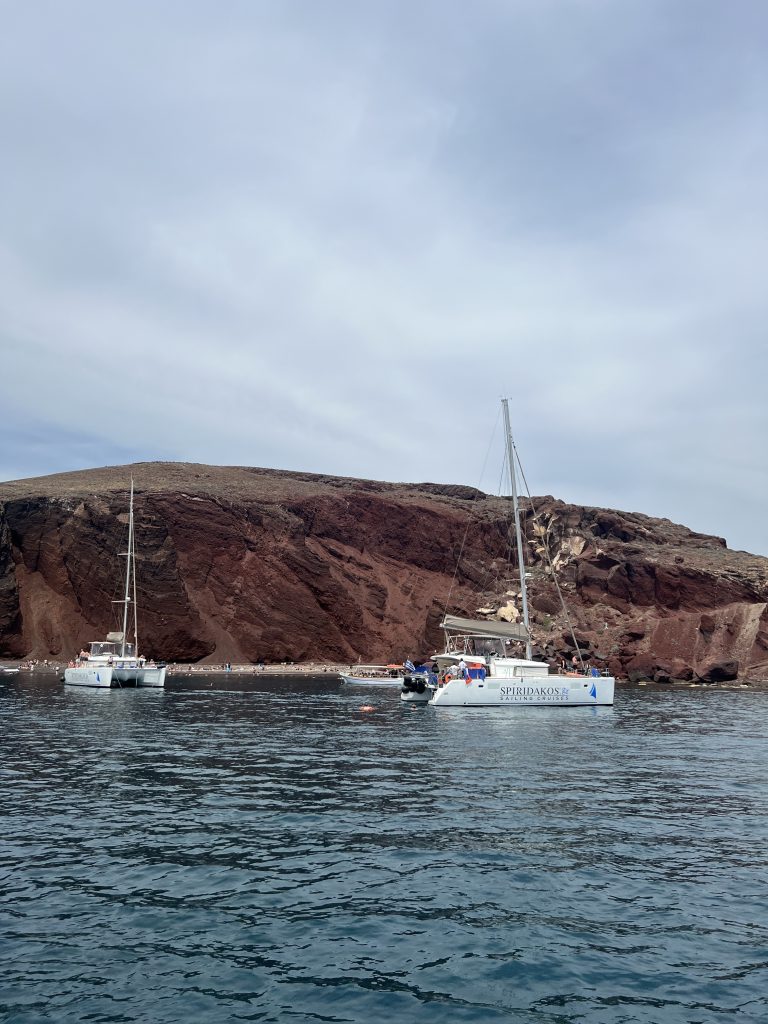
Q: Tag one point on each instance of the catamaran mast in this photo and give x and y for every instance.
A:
(518, 534)
(128, 564)
(135, 605)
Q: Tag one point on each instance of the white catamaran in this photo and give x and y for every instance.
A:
(475, 667)
(114, 662)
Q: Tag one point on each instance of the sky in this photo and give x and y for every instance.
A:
(330, 236)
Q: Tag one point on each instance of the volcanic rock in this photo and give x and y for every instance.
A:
(245, 564)
(719, 671)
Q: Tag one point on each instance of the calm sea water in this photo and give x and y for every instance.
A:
(252, 850)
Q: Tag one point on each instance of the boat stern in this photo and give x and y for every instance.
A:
(417, 689)
(100, 676)
(154, 676)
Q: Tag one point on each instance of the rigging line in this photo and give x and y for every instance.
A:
(509, 537)
(510, 554)
(117, 586)
(135, 607)
(549, 562)
(469, 520)
(492, 574)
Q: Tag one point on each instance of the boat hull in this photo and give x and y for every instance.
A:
(107, 677)
(522, 691)
(372, 680)
(414, 697)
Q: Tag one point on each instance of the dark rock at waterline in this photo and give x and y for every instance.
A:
(647, 666)
(719, 671)
(245, 564)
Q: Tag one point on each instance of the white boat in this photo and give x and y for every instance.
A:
(373, 675)
(476, 669)
(114, 662)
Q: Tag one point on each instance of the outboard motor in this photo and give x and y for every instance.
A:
(416, 689)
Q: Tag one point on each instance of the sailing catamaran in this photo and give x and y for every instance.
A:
(115, 662)
(475, 667)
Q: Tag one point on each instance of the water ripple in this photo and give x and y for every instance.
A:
(272, 854)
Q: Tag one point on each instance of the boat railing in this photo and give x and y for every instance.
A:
(587, 673)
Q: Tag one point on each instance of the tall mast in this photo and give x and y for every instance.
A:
(135, 605)
(518, 534)
(128, 563)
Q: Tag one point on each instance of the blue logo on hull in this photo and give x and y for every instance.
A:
(593, 690)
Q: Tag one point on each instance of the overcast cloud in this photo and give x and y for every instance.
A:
(329, 236)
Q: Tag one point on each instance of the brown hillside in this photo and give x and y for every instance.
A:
(247, 564)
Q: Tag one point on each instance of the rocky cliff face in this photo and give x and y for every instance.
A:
(248, 564)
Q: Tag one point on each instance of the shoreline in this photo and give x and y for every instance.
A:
(318, 668)
(190, 668)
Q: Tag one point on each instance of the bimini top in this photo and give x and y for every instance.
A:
(484, 627)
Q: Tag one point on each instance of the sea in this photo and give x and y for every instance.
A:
(263, 849)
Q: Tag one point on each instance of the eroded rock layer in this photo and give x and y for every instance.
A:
(247, 564)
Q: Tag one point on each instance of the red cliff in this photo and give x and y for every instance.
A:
(247, 564)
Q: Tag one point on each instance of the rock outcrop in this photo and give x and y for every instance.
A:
(246, 564)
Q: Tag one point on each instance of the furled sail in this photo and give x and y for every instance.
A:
(485, 627)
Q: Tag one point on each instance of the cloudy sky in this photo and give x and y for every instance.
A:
(329, 236)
